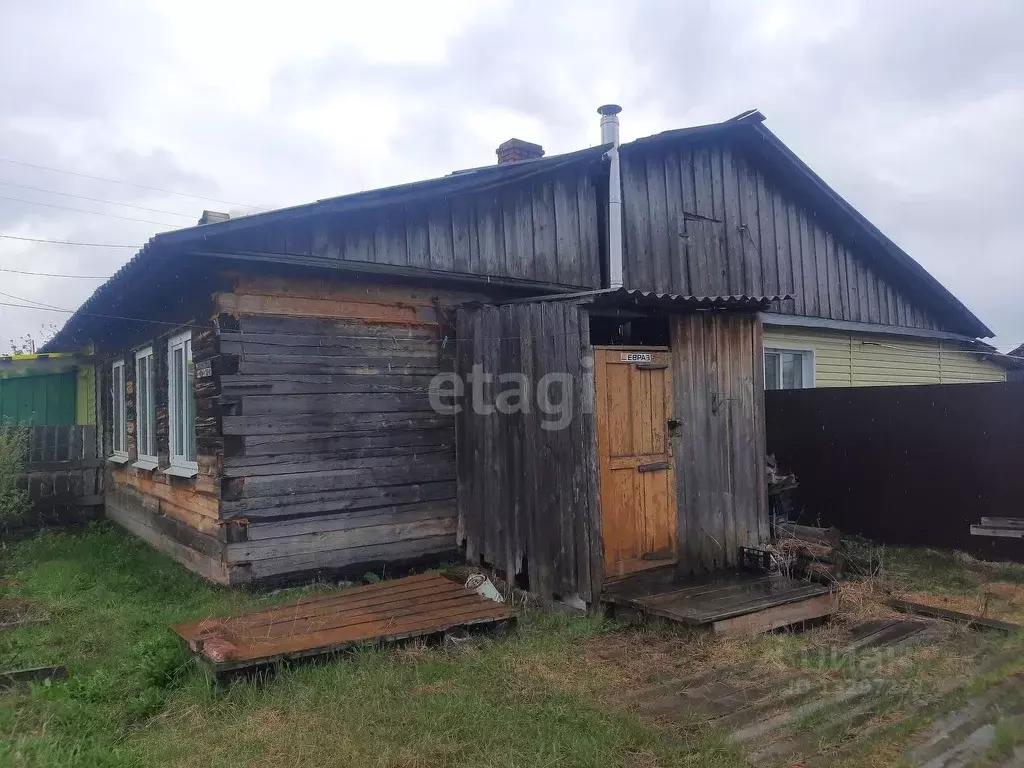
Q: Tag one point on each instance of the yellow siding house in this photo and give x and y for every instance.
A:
(812, 357)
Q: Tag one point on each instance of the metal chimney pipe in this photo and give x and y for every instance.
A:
(610, 135)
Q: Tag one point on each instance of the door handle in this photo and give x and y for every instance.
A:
(674, 423)
(653, 466)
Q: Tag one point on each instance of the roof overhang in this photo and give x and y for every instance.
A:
(670, 303)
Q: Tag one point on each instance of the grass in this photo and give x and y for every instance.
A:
(133, 698)
(556, 692)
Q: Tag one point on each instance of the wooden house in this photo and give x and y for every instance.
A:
(645, 445)
(269, 385)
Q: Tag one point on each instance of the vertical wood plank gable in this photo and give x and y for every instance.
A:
(675, 226)
(567, 234)
(590, 234)
(442, 251)
(660, 225)
(545, 249)
(735, 272)
(637, 267)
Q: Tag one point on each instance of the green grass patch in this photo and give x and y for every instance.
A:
(134, 697)
(933, 570)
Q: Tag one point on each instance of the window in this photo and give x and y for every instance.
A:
(119, 431)
(145, 410)
(182, 402)
(788, 369)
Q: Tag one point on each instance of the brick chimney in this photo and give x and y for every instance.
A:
(517, 150)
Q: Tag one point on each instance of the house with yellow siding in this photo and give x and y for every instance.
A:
(797, 357)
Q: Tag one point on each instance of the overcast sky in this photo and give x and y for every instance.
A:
(914, 111)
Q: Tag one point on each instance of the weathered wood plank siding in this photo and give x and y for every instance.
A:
(718, 376)
(706, 220)
(179, 516)
(334, 459)
(544, 230)
(528, 478)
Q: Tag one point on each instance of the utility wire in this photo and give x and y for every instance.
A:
(64, 242)
(39, 304)
(53, 274)
(96, 199)
(119, 181)
(82, 210)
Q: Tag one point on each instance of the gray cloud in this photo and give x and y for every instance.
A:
(911, 110)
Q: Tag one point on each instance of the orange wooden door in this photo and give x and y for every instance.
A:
(633, 389)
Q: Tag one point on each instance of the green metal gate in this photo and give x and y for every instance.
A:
(46, 400)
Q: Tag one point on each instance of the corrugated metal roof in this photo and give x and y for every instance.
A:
(635, 298)
(747, 126)
(168, 245)
(630, 298)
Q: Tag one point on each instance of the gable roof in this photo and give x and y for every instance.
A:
(165, 249)
(748, 129)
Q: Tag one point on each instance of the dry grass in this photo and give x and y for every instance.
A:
(14, 611)
(997, 600)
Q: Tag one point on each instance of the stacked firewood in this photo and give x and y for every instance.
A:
(806, 551)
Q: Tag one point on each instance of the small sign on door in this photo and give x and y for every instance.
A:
(636, 357)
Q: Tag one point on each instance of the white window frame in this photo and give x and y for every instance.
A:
(145, 459)
(806, 363)
(185, 467)
(118, 414)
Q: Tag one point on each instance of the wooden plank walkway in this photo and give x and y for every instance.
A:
(415, 606)
(729, 604)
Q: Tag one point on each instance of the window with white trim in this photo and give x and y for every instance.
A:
(119, 430)
(145, 407)
(788, 369)
(181, 401)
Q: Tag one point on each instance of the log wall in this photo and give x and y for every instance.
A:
(334, 460)
(177, 515)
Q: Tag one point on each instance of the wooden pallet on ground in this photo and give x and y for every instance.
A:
(733, 604)
(386, 612)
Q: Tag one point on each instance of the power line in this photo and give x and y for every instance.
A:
(53, 274)
(119, 181)
(82, 210)
(96, 199)
(40, 304)
(65, 242)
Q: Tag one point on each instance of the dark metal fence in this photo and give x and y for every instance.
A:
(913, 466)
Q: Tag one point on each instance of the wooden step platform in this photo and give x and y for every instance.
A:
(401, 609)
(737, 603)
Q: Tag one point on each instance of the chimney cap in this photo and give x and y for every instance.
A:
(517, 150)
(609, 109)
(212, 217)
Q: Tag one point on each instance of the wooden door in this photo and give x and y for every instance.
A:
(633, 398)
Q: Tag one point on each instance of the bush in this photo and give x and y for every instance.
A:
(14, 502)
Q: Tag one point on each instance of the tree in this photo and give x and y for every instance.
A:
(29, 343)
